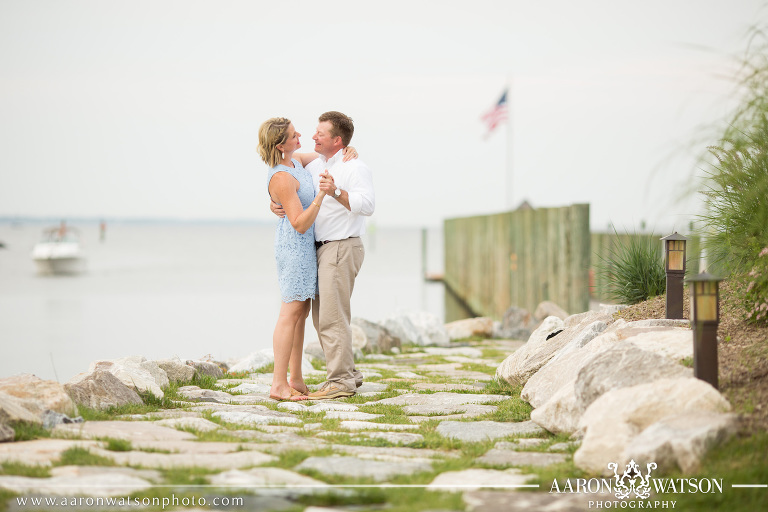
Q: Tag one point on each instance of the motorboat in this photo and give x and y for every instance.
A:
(59, 252)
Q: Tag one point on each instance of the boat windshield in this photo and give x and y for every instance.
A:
(58, 235)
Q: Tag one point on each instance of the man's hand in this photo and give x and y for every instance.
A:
(276, 209)
(327, 184)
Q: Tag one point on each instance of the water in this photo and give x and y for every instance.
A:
(178, 289)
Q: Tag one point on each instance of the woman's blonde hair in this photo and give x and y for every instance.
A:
(272, 133)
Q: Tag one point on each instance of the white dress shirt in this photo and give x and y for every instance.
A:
(334, 221)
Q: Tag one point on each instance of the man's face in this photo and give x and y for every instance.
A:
(326, 144)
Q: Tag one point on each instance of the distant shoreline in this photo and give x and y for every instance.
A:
(73, 220)
(127, 220)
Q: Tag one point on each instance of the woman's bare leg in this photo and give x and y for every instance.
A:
(297, 351)
(282, 344)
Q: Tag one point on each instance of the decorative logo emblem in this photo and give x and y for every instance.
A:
(632, 480)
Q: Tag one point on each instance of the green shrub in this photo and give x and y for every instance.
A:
(735, 185)
(736, 193)
(756, 296)
(633, 270)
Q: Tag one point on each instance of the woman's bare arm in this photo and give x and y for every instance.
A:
(283, 189)
(349, 154)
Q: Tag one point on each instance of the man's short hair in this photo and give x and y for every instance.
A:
(342, 126)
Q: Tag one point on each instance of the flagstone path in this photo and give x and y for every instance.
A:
(414, 422)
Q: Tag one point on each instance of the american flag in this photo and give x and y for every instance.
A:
(495, 116)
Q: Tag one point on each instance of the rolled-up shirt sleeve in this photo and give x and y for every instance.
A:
(362, 199)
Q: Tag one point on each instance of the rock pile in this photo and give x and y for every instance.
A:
(622, 388)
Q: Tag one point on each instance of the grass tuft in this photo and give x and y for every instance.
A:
(118, 445)
(29, 431)
(78, 456)
(21, 469)
(633, 270)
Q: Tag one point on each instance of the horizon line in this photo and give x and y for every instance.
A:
(56, 219)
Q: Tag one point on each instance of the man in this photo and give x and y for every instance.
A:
(340, 253)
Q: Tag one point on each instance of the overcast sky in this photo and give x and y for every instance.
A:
(152, 108)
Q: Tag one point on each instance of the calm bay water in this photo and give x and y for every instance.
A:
(179, 289)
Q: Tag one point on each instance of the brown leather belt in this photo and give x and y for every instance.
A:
(321, 243)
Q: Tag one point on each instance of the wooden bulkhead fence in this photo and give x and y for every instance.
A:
(518, 258)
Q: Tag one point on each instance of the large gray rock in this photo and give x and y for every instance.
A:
(53, 418)
(552, 389)
(254, 361)
(563, 369)
(549, 308)
(602, 367)
(681, 441)
(419, 328)
(136, 373)
(100, 390)
(176, 370)
(561, 413)
(378, 338)
(613, 420)
(581, 339)
(6, 433)
(517, 324)
(542, 345)
(674, 343)
(50, 394)
(481, 327)
(359, 339)
(206, 368)
(314, 350)
(13, 409)
(623, 365)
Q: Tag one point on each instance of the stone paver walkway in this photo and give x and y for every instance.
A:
(415, 414)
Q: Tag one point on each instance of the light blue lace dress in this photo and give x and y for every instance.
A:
(295, 252)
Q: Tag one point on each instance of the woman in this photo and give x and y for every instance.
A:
(290, 185)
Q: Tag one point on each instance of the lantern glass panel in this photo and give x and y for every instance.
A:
(675, 254)
(705, 301)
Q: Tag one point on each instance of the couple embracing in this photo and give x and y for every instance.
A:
(321, 199)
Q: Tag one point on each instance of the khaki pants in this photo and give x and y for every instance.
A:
(338, 263)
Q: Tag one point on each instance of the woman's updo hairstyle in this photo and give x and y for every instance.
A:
(272, 133)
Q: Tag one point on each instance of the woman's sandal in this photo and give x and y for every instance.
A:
(300, 391)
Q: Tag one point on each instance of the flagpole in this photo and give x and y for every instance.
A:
(494, 118)
(508, 196)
